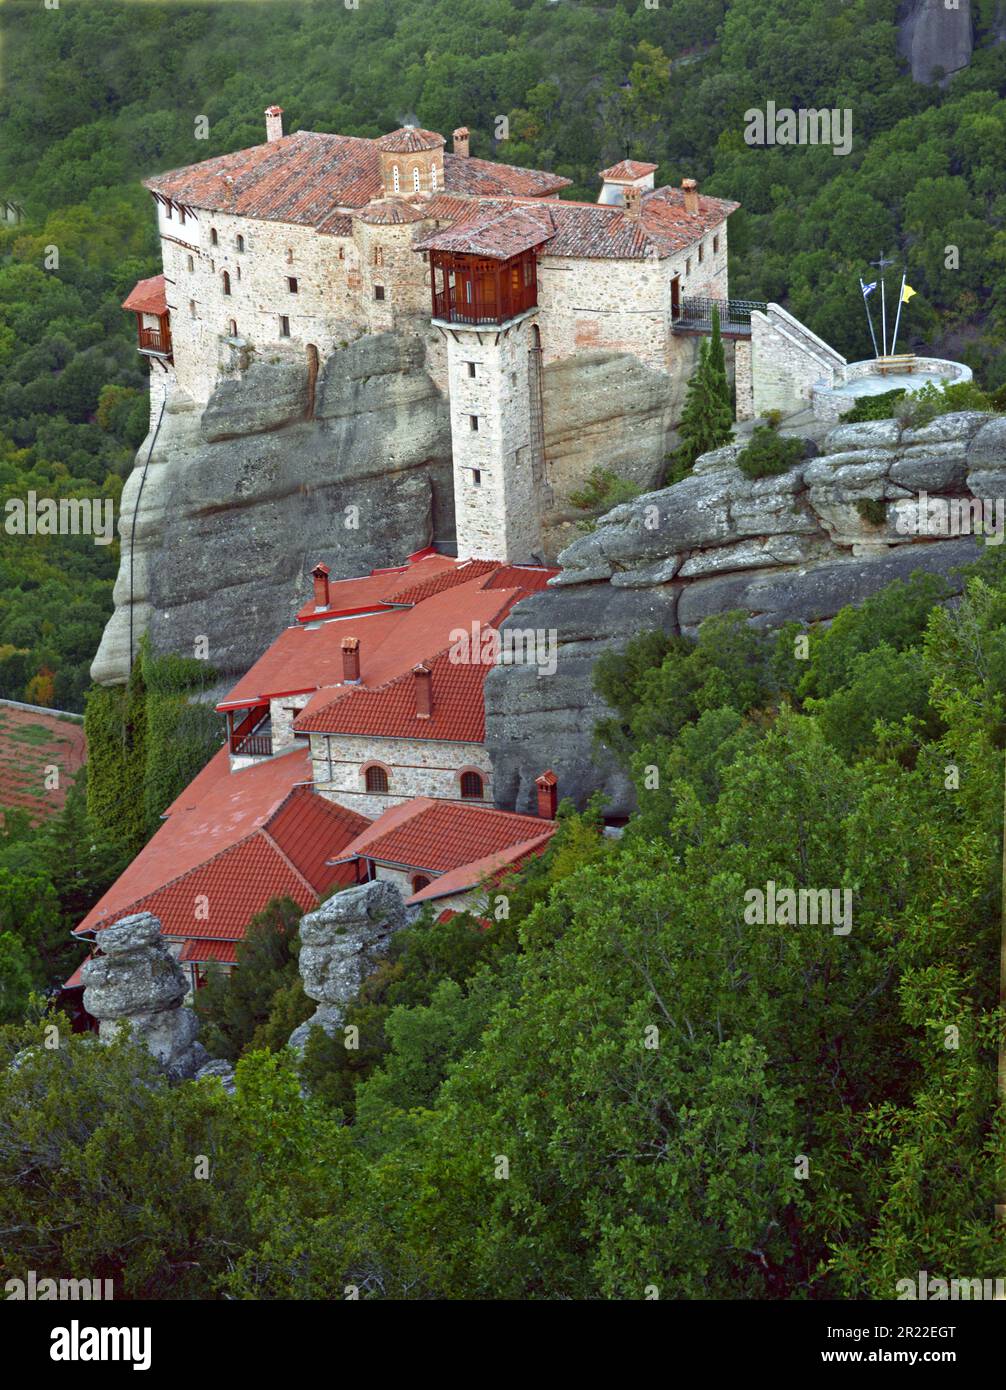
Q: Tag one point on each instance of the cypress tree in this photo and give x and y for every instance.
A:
(707, 418)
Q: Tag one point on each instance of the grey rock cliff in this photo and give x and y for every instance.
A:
(935, 38)
(792, 547)
(341, 943)
(136, 984)
(241, 499)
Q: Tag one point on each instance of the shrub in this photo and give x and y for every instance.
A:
(768, 453)
(873, 407)
(873, 510)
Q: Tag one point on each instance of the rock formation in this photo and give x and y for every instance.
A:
(341, 943)
(936, 37)
(794, 546)
(137, 983)
(243, 497)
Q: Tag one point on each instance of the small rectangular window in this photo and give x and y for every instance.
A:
(471, 368)
(378, 291)
(167, 211)
(701, 252)
(284, 326)
(688, 265)
(291, 284)
(716, 245)
(213, 236)
(476, 477)
(473, 420)
(191, 264)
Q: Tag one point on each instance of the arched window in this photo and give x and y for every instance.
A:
(232, 328)
(420, 881)
(213, 236)
(433, 178)
(415, 179)
(241, 243)
(376, 779)
(472, 786)
(396, 179)
(192, 308)
(226, 282)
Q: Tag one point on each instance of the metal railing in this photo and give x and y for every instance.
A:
(734, 313)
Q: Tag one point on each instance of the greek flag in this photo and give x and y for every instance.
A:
(867, 289)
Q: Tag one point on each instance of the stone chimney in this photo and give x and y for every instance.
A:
(320, 576)
(633, 201)
(424, 690)
(274, 123)
(691, 191)
(548, 794)
(461, 138)
(351, 660)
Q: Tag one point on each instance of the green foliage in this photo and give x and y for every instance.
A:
(768, 452)
(878, 407)
(873, 510)
(603, 490)
(707, 416)
(921, 406)
(244, 1009)
(147, 742)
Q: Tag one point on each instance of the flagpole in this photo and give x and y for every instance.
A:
(901, 300)
(882, 265)
(883, 311)
(869, 316)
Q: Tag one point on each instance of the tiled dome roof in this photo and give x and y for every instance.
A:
(388, 211)
(409, 140)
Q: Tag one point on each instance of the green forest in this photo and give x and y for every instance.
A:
(684, 1101)
(622, 1086)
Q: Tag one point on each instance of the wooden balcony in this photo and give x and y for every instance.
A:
(255, 746)
(155, 341)
(478, 291)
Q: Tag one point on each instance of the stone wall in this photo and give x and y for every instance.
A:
(792, 547)
(497, 506)
(415, 767)
(787, 361)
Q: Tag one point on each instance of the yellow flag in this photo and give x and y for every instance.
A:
(906, 294)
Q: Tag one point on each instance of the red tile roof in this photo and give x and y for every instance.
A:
(237, 840)
(390, 710)
(409, 139)
(481, 178)
(311, 178)
(444, 596)
(225, 952)
(489, 868)
(626, 170)
(147, 297)
(438, 836)
(387, 212)
(32, 740)
(499, 233)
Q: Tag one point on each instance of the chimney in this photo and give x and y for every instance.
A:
(633, 201)
(274, 123)
(424, 690)
(461, 137)
(691, 191)
(351, 660)
(548, 794)
(320, 576)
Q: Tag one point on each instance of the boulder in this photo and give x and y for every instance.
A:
(136, 985)
(341, 943)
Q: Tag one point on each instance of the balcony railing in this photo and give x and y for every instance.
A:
(153, 340)
(735, 314)
(255, 746)
(451, 307)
